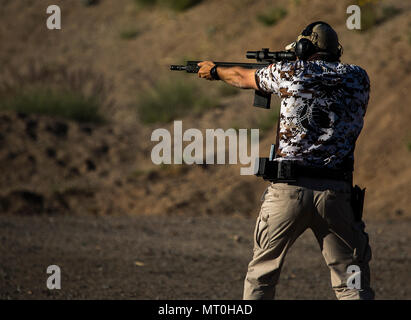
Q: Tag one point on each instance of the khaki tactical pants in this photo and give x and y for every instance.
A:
(286, 212)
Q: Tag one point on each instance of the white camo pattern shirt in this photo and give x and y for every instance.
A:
(322, 109)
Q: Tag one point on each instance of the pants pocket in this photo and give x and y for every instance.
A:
(260, 235)
(278, 215)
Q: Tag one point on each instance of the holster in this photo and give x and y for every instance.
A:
(357, 201)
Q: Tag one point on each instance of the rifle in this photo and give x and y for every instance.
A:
(265, 57)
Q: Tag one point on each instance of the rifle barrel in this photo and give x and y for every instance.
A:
(192, 66)
(177, 67)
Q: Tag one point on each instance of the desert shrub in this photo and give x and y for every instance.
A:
(65, 104)
(87, 3)
(78, 95)
(389, 12)
(171, 100)
(372, 15)
(267, 122)
(227, 90)
(368, 17)
(145, 2)
(128, 34)
(272, 16)
(177, 5)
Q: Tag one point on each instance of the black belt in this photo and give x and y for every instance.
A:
(289, 171)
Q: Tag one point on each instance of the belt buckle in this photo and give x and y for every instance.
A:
(286, 172)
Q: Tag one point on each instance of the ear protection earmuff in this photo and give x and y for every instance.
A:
(305, 47)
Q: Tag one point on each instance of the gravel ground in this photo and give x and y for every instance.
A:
(159, 257)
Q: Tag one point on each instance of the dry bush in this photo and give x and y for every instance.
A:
(55, 90)
(170, 100)
(177, 5)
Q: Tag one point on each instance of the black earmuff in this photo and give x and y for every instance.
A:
(304, 48)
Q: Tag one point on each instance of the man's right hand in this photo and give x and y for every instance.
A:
(205, 68)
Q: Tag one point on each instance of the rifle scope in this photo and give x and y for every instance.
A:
(266, 55)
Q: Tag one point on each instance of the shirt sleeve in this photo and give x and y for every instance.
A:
(267, 78)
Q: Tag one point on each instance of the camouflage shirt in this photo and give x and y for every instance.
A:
(322, 109)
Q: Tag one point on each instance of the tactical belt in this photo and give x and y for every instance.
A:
(289, 171)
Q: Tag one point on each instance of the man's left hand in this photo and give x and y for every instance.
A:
(205, 67)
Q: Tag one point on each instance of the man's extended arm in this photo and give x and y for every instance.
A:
(235, 76)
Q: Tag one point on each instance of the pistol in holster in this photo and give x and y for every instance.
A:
(357, 201)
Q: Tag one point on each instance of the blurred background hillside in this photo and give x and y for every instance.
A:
(78, 105)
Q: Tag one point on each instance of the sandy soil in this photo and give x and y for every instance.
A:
(158, 257)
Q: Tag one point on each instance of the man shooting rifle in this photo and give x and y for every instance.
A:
(323, 103)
